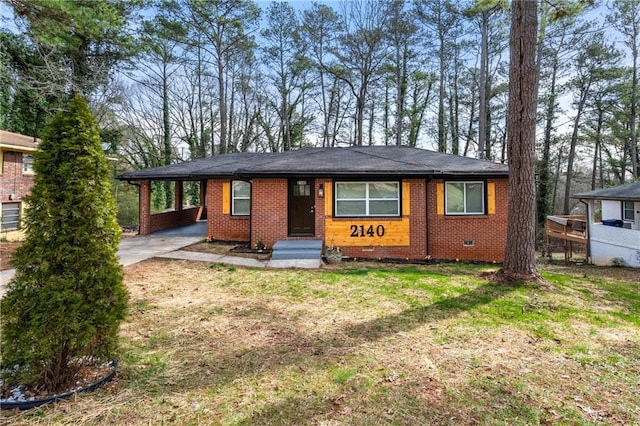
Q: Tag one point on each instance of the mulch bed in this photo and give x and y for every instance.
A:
(87, 378)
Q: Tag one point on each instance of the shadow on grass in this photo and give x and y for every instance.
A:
(623, 296)
(401, 402)
(396, 406)
(406, 403)
(286, 346)
(412, 318)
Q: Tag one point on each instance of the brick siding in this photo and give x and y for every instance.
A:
(269, 211)
(166, 220)
(14, 186)
(144, 201)
(150, 223)
(14, 182)
(487, 233)
(480, 238)
(223, 226)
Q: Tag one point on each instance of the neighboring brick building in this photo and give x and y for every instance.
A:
(16, 180)
(373, 202)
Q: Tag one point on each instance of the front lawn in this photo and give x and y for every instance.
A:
(368, 344)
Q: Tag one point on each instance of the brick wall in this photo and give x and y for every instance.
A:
(487, 234)
(445, 238)
(481, 238)
(14, 182)
(144, 200)
(14, 186)
(150, 223)
(270, 219)
(220, 225)
(269, 211)
(166, 220)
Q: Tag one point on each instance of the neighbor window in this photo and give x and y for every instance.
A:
(240, 198)
(27, 163)
(367, 199)
(10, 216)
(464, 198)
(628, 211)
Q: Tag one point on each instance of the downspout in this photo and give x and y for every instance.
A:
(250, 215)
(426, 216)
(588, 231)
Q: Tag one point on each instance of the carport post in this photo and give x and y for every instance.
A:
(179, 197)
(144, 203)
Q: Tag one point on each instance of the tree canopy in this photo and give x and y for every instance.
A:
(171, 81)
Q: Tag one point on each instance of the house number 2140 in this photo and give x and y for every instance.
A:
(361, 231)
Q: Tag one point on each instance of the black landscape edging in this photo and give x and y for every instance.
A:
(26, 405)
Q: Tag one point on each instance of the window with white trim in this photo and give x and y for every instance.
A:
(355, 199)
(628, 211)
(240, 198)
(464, 198)
(10, 216)
(27, 163)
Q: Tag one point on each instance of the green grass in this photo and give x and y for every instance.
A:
(368, 344)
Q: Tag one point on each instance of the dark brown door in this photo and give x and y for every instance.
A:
(302, 207)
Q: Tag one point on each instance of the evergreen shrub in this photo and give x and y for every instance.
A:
(65, 304)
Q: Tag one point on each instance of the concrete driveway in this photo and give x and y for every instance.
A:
(141, 247)
(168, 244)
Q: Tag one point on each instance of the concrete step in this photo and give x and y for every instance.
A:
(297, 249)
(296, 254)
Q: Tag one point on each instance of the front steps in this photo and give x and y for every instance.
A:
(297, 250)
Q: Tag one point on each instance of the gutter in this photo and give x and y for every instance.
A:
(426, 174)
(246, 174)
(426, 215)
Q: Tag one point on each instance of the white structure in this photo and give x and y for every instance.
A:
(617, 238)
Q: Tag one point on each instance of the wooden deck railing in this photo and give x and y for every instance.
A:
(567, 227)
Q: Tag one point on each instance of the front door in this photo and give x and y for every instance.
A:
(302, 219)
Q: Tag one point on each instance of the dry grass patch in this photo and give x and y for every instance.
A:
(366, 344)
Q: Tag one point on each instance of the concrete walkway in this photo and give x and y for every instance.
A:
(141, 247)
(243, 261)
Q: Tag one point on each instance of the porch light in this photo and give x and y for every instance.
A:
(321, 190)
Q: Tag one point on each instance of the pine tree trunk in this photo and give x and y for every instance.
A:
(520, 261)
(482, 88)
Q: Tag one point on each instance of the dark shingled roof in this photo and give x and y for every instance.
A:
(352, 161)
(626, 192)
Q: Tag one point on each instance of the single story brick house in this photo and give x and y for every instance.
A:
(371, 201)
(16, 180)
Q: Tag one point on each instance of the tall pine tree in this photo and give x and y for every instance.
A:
(520, 261)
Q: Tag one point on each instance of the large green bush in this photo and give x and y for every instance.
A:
(67, 300)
